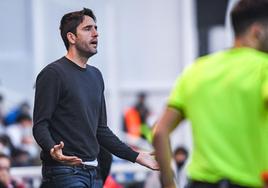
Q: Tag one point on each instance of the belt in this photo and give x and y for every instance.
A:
(83, 165)
(220, 184)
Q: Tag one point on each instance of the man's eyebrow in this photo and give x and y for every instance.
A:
(90, 26)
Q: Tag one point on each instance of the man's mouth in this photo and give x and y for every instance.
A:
(94, 42)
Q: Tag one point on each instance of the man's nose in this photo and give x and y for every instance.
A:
(95, 32)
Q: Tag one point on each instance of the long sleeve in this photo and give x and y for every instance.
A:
(110, 141)
(47, 95)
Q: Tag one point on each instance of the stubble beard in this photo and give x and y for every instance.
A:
(86, 53)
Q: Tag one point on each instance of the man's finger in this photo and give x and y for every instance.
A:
(59, 146)
(77, 161)
(52, 150)
(70, 158)
(73, 161)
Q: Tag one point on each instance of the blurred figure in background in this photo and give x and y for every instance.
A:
(6, 181)
(180, 156)
(135, 119)
(1, 112)
(225, 97)
(141, 107)
(21, 136)
(12, 116)
(6, 146)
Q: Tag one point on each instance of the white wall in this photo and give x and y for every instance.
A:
(15, 50)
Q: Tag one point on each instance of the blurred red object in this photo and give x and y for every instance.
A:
(264, 177)
(111, 183)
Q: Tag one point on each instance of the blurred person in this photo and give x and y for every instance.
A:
(70, 122)
(12, 116)
(1, 109)
(144, 113)
(180, 156)
(6, 181)
(141, 107)
(225, 97)
(20, 157)
(2, 129)
(135, 119)
(21, 136)
(6, 146)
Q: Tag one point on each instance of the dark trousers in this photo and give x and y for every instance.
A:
(70, 177)
(220, 184)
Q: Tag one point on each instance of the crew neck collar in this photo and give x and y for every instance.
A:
(74, 64)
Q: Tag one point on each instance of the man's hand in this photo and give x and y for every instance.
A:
(56, 153)
(147, 160)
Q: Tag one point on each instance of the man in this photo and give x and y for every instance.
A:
(4, 170)
(6, 180)
(70, 114)
(224, 95)
(135, 119)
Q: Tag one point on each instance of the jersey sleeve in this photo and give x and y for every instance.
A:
(176, 98)
(264, 87)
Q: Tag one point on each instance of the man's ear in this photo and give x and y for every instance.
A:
(257, 31)
(71, 37)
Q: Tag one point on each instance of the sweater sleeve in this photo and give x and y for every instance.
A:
(110, 141)
(47, 94)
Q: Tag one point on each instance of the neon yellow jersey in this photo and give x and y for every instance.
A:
(223, 95)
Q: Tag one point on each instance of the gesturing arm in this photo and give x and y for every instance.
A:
(168, 121)
(114, 145)
(47, 94)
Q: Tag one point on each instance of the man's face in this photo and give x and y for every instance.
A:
(87, 37)
(180, 159)
(4, 170)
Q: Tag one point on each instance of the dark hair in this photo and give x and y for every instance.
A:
(180, 150)
(23, 116)
(246, 12)
(4, 156)
(70, 21)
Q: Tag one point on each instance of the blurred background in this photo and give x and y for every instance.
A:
(143, 47)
